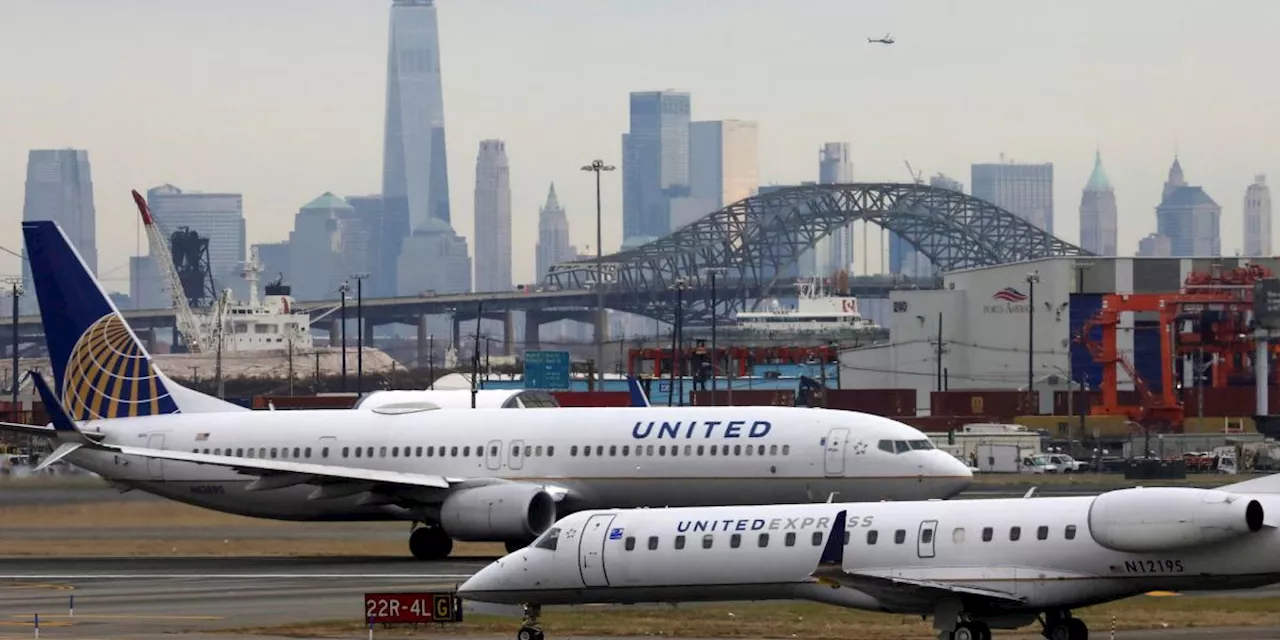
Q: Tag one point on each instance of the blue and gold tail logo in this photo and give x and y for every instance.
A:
(109, 375)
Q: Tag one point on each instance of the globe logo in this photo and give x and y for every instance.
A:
(109, 375)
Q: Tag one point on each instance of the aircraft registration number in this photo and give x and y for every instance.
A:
(1153, 566)
(208, 489)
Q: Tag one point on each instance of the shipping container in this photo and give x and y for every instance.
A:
(1001, 403)
(284, 403)
(1085, 399)
(1230, 402)
(882, 402)
(745, 398)
(593, 398)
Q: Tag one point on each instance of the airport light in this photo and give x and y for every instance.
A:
(715, 355)
(1032, 279)
(342, 329)
(359, 278)
(677, 341)
(596, 167)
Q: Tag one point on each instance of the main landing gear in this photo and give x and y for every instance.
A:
(1059, 625)
(972, 630)
(530, 629)
(430, 543)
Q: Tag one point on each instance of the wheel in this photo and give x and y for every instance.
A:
(430, 543)
(529, 633)
(980, 630)
(1078, 630)
(964, 632)
(1059, 631)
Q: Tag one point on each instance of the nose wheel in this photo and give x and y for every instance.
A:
(1060, 625)
(530, 629)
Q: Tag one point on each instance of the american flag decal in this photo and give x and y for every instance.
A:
(1009, 294)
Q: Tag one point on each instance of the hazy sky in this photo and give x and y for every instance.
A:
(284, 100)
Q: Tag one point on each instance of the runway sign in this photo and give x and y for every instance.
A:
(412, 608)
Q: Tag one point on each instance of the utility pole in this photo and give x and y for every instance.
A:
(431, 360)
(290, 364)
(16, 292)
(475, 356)
(359, 278)
(217, 367)
(596, 167)
(678, 354)
(1032, 279)
(938, 353)
(342, 291)
(715, 355)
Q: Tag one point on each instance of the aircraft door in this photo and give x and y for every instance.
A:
(591, 550)
(835, 451)
(925, 539)
(516, 459)
(155, 466)
(493, 455)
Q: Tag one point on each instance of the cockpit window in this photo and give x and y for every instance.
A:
(886, 445)
(921, 445)
(901, 446)
(548, 540)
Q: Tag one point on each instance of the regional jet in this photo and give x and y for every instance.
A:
(973, 565)
(887, 39)
(482, 474)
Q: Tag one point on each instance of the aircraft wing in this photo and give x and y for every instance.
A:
(28, 429)
(896, 587)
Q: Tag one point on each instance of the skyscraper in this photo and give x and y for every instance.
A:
(1257, 218)
(553, 237)
(493, 218)
(59, 188)
(834, 252)
(1098, 213)
(724, 160)
(655, 162)
(1188, 217)
(415, 177)
(1025, 190)
(904, 259)
(218, 217)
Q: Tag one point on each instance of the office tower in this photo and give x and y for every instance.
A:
(1257, 218)
(1025, 190)
(315, 248)
(835, 252)
(724, 161)
(359, 236)
(217, 217)
(415, 177)
(553, 237)
(493, 218)
(1098, 213)
(655, 163)
(59, 188)
(434, 259)
(1188, 217)
(148, 288)
(904, 259)
(1155, 246)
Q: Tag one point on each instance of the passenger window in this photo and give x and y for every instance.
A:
(528, 450)
(786, 449)
(359, 452)
(886, 445)
(737, 449)
(751, 450)
(872, 536)
(273, 452)
(307, 453)
(648, 450)
(551, 450)
(763, 541)
(466, 452)
(549, 540)
(987, 534)
(735, 540)
(714, 448)
(662, 450)
(240, 453)
(688, 449)
(679, 542)
(631, 543)
(262, 452)
(250, 452)
(1071, 532)
(493, 450)
(217, 452)
(418, 452)
(1042, 533)
(900, 536)
(324, 452)
(453, 452)
(790, 540)
(817, 538)
(700, 447)
(295, 452)
(395, 452)
(586, 451)
(599, 449)
(957, 536)
(368, 452)
(773, 449)
(626, 450)
(346, 451)
(653, 543)
(431, 451)
(613, 449)
(706, 541)
(382, 452)
(1015, 533)
(573, 451)
(537, 451)
(926, 536)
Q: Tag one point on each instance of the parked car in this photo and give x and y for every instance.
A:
(1038, 464)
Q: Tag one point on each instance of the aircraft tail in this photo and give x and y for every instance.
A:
(101, 369)
(638, 398)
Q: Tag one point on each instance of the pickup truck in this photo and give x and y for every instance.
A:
(1053, 463)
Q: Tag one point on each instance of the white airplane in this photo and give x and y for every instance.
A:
(973, 565)
(482, 474)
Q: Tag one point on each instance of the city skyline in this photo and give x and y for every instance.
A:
(310, 139)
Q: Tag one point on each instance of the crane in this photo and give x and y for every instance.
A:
(186, 320)
(917, 177)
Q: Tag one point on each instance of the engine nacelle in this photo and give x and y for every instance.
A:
(1165, 518)
(507, 511)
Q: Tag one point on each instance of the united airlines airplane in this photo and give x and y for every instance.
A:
(973, 565)
(483, 474)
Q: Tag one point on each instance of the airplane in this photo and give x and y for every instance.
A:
(973, 565)
(887, 39)
(480, 475)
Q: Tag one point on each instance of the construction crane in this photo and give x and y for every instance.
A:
(188, 327)
(917, 177)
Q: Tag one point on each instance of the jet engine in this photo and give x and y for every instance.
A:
(507, 511)
(1166, 518)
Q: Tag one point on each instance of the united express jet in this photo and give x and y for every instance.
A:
(482, 474)
(973, 565)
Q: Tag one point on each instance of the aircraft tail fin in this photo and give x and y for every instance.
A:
(100, 367)
(833, 552)
(638, 398)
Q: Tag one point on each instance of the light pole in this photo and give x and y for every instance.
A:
(342, 329)
(596, 167)
(1032, 279)
(359, 278)
(715, 355)
(16, 292)
(431, 360)
(677, 354)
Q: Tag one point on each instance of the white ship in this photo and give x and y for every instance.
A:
(269, 324)
(819, 311)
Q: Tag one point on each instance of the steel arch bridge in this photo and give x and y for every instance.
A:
(750, 242)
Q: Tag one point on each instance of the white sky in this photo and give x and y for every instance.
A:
(284, 100)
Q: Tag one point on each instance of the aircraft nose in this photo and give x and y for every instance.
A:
(487, 584)
(960, 474)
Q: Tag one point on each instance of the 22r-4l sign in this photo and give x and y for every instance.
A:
(412, 608)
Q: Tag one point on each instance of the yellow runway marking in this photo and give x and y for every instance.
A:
(37, 585)
(27, 623)
(1162, 594)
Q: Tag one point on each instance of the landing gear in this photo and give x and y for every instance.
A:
(1059, 625)
(530, 628)
(967, 631)
(430, 543)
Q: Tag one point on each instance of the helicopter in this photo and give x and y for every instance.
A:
(887, 39)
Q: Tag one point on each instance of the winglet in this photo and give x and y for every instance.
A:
(638, 399)
(833, 552)
(62, 422)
